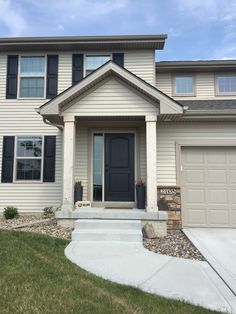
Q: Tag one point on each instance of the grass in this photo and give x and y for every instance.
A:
(35, 277)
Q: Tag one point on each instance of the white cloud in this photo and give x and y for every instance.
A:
(11, 18)
(60, 27)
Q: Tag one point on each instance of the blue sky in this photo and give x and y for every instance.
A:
(197, 29)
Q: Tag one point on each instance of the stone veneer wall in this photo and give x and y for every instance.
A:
(169, 199)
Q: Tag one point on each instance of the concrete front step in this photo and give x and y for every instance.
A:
(87, 230)
(106, 235)
(95, 224)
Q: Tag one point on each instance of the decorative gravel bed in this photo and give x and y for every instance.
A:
(48, 227)
(174, 244)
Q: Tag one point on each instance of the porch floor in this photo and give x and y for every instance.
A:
(106, 213)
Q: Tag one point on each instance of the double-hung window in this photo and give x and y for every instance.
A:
(93, 62)
(28, 158)
(183, 85)
(32, 76)
(226, 84)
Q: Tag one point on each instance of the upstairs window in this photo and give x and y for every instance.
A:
(32, 77)
(226, 84)
(94, 62)
(29, 158)
(183, 85)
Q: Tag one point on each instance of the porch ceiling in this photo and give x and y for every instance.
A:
(164, 103)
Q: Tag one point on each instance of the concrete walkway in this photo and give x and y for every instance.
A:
(218, 246)
(131, 264)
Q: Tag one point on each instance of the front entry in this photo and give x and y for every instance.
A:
(119, 167)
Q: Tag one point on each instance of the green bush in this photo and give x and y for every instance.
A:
(48, 211)
(10, 212)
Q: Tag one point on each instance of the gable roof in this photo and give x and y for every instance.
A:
(167, 104)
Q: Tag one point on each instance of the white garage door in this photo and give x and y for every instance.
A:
(208, 186)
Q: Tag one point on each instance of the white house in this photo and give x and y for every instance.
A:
(101, 110)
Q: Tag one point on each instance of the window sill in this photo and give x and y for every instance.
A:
(225, 94)
(184, 95)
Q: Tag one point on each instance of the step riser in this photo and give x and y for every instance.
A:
(106, 237)
(105, 225)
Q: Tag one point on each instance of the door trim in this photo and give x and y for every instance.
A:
(136, 158)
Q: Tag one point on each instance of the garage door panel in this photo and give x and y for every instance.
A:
(196, 216)
(194, 176)
(231, 157)
(217, 176)
(213, 158)
(195, 196)
(233, 176)
(233, 218)
(217, 196)
(233, 196)
(193, 157)
(217, 217)
(208, 184)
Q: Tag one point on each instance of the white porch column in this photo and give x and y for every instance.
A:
(151, 157)
(68, 163)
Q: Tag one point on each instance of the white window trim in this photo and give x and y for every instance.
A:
(174, 93)
(217, 92)
(15, 159)
(19, 76)
(95, 55)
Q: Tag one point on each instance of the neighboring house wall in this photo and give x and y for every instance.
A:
(204, 86)
(169, 134)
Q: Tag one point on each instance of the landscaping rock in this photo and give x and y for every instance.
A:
(148, 231)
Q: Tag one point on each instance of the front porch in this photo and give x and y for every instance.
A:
(109, 156)
(109, 122)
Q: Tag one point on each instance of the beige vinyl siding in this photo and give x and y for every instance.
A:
(18, 117)
(112, 98)
(142, 152)
(204, 86)
(64, 71)
(169, 134)
(82, 159)
(142, 64)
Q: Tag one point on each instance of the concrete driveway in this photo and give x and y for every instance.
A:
(218, 246)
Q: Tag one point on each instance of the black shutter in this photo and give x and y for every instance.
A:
(77, 68)
(12, 73)
(49, 159)
(8, 158)
(52, 76)
(118, 58)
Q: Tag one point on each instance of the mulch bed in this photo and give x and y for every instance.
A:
(174, 244)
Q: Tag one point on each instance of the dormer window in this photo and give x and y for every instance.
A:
(93, 62)
(226, 84)
(183, 85)
(32, 77)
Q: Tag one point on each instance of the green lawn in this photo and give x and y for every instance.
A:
(35, 277)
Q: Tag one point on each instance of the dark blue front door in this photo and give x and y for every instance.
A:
(119, 167)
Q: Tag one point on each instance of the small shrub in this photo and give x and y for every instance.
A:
(10, 212)
(78, 184)
(48, 211)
